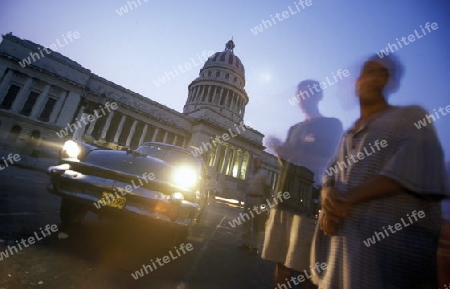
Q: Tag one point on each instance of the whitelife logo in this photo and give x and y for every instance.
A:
(360, 156)
(91, 118)
(423, 122)
(110, 198)
(35, 56)
(124, 9)
(11, 159)
(165, 260)
(29, 241)
(411, 39)
(398, 226)
(245, 217)
(281, 16)
(319, 87)
(182, 68)
(296, 280)
(214, 141)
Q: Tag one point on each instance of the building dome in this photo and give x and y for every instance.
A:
(220, 86)
(226, 58)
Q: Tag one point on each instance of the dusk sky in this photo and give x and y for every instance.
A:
(135, 48)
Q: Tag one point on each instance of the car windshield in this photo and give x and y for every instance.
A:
(171, 155)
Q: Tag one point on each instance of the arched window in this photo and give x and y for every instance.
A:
(227, 76)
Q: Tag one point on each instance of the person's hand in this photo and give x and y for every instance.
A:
(328, 223)
(334, 202)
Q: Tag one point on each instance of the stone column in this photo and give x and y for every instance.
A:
(189, 96)
(224, 164)
(131, 135)
(227, 100)
(22, 96)
(205, 93)
(193, 90)
(233, 102)
(40, 102)
(218, 151)
(106, 125)
(155, 134)
(175, 140)
(78, 133)
(58, 105)
(217, 97)
(197, 93)
(214, 93)
(144, 134)
(119, 129)
(92, 124)
(233, 159)
(240, 163)
(165, 137)
(5, 84)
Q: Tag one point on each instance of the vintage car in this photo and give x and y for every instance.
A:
(156, 182)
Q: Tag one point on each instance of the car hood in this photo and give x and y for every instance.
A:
(121, 162)
(128, 169)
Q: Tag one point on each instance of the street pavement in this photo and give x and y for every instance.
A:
(104, 254)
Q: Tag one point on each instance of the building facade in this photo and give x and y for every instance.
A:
(52, 98)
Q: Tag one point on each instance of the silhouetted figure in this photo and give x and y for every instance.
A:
(290, 227)
(257, 192)
(380, 204)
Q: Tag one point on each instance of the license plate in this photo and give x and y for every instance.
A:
(113, 200)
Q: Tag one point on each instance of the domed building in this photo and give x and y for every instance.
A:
(43, 100)
(216, 104)
(220, 86)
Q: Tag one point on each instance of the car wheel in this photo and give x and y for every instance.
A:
(71, 212)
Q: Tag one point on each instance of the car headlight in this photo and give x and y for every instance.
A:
(71, 148)
(185, 177)
(177, 196)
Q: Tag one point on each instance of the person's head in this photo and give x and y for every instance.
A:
(378, 78)
(309, 95)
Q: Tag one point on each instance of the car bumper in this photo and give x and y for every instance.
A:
(180, 213)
